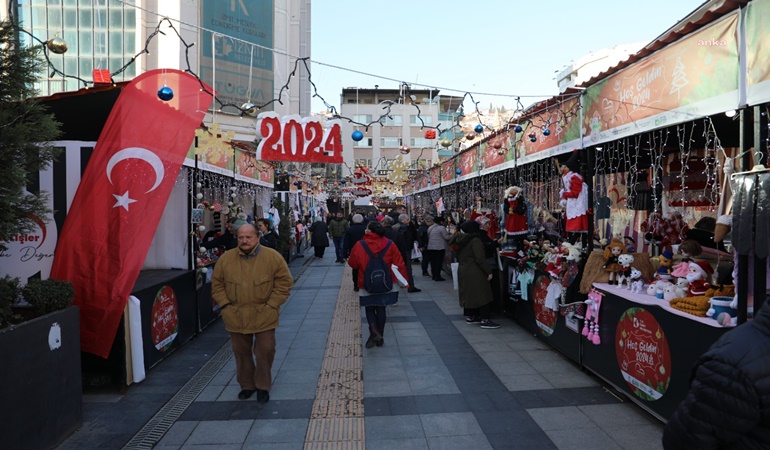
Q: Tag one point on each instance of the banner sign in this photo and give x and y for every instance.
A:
(296, 139)
(757, 52)
(692, 78)
(469, 161)
(448, 170)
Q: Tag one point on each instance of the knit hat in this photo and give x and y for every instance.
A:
(237, 224)
(703, 267)
(470, 226)
(358, 218)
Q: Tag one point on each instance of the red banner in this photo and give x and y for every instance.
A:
(296, 139)
(122, 195)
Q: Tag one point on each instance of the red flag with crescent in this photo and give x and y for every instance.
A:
(122, 195)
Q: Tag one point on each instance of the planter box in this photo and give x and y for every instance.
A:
(40, 381)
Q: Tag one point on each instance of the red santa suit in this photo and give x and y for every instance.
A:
(515, 215)
(575, 201)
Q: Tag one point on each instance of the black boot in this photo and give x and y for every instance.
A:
(374, 337)
(379, 340)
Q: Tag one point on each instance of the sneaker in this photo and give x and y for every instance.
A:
(472, 319)
(489, 325)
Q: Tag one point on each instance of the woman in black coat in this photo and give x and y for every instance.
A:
(319, 237)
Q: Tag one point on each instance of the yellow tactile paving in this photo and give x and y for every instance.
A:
(337, 420)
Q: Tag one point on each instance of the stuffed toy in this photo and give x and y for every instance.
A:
(670, 292)
(682, 287)
(635, 281)
(611, 264)
(700, 272)
(664, 267)
(624, 274)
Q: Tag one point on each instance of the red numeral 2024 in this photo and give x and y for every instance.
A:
(298, 139)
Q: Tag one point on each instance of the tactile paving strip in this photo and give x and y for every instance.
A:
(337, 419)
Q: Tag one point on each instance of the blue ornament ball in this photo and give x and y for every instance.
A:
(478, 128)
(458, 172)
(165, 93)
(533, 139)
(296, 183)
(343, 181)
(546, 132)
(277, 172)
(518, 129)
(357, 135)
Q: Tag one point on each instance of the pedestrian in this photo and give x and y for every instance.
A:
(337, 228)
(422, 242)
(267, 236)
(727, 404)
(250, 283)
(473, 275)
(227, 239)
(319, 238)
(437, 243)
(374, 303)
(354, 234)
(407, 235)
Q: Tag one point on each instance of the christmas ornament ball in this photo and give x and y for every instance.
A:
(357, 135)
(458, 171)
(202, 228)
(204, 270)
(533, 139)
(296, 183)
(518, 129)
(470, 136)
(546, 132)
(57, 45)
(404, 149)
(343, 181)
(497, 145)
(165, 93)
(199, 196)
(198, 185)
(446, 143)
(478, 128)
(501, 152)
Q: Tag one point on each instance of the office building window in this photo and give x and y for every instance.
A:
(365, 142)
(421, 142)
(364, 162)
(426, 120)
(390, 142)
(392, 121)
(363, 118)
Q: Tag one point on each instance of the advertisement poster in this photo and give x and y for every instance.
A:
(757, 52)
(644, 358)
(554, 128)
(165, 318)
(545, 318)
(448, 170)
(491, 155)
(468, 161)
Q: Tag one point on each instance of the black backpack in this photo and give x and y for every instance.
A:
(377, 277)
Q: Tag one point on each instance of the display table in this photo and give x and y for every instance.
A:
(647, 349)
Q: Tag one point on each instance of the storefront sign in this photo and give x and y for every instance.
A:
(545, 318)
(30, 254)
(165, 319)
(692, 78)
(757, 52)
(644, 358)
(296, 139)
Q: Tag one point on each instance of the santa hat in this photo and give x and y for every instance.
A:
(573, 163)
(508, 192)
(553, 270)
(702, 267)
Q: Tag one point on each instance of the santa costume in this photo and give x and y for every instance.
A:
(515, 211)
(574, 196)
(700, 271)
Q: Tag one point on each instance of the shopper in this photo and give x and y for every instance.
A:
(354, 234)
(406, 238)
(422, 243)
(319, 238)
(473, 275)
(250, 283)
(267, 236)
(727, 405)
(374, 303)
(337, 228)
(437, 242)
(227, 239)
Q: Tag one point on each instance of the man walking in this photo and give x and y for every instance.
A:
(337, 228)
(250, 283)
(407, 234)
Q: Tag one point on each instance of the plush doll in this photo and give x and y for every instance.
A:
(664, 267)
(700, 272)
(625, 260)
(515, 213)
(611, 264)
(630, 244)
(635, 282)
(682, 287)
(574, 195)
(591, 323)
(670, 292)
(653, 229)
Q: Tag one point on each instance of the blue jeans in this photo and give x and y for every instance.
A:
(338, 244)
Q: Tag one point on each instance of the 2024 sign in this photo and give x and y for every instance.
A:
(293, 138)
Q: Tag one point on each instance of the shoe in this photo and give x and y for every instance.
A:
(472, 320)
(246, 394)
(355, 288)
(439, 279)
(371, 342)
(489, 325)
(379, 341)
(413, 289)
(263, 396)
(425, 274)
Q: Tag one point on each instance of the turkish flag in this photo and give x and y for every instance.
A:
(121, 197)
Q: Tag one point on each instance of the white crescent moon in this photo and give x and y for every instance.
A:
(138, 153)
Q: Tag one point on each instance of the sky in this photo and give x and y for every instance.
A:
(507, 48)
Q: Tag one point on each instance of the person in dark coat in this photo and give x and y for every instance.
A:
(319, 238)
(354, 234)
(227, 239)
(268, 238)
(728, 405)
(422, 243)
(407, 234)
(473, 275)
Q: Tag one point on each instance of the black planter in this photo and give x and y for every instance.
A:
(40, 381)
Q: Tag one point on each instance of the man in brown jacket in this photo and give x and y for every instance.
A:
(250, 283)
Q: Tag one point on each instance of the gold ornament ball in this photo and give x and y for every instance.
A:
(446, 143)
(501, 152)
(57, 45)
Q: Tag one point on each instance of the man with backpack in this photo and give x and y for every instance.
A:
(372, 257)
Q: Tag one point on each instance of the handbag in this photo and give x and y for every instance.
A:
(416, 253)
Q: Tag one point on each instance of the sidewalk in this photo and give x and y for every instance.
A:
(437, 383)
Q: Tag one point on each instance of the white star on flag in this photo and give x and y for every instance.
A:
(123, 200)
